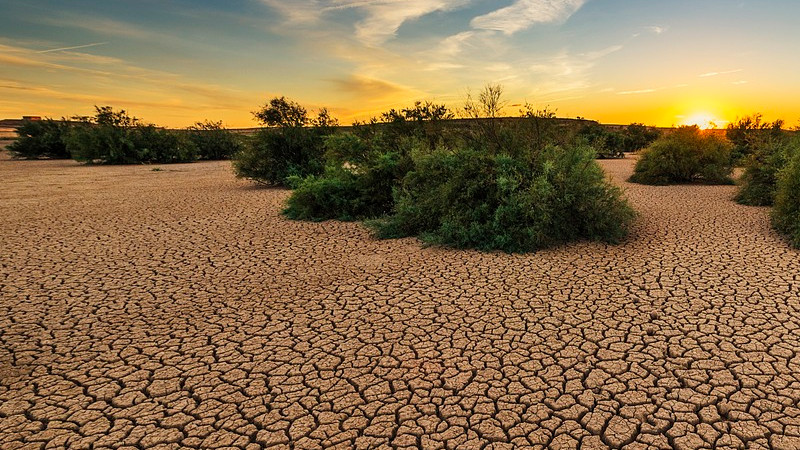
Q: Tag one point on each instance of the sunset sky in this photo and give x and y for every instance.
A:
(616, 61)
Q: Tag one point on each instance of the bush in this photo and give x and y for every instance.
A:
(758, 183)
(358, 182)
(749, 133)
(364, 167)
(275, 155)
(685, 156)
(492, 189)
(786, 213)
(637, 136)
(114, 137)
(212, 141)
(291, 146)
(607, 143)
(41, 139)
(469, 198)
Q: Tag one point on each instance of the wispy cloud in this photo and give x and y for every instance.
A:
(363, 87)
(656, 29)
(524, 13)
(714, 74)
(385, 17)
(75, 47)
(640, 91)
(382, 18)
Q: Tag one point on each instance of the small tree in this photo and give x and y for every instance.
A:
(290, 147)
(280, 112)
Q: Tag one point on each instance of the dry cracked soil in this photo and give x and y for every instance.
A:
(177, 308)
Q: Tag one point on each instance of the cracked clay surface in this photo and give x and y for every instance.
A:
(177, 308)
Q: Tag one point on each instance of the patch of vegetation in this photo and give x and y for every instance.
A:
(41, 139)
(762, 166)
(213, 142)
(471, 198)
(114, 137)
(607, 143)
(786, 213)
(614, 144)
(637, 136)
(291, 145)
(492, 188)
(685, 156)
(748, 134)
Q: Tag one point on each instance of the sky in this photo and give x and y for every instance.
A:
(176, 62)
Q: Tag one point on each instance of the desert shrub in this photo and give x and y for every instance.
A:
(425, 121)
(607, 143)
(114, 137)
(758, 183)
(685, 156)
(474, 198)
(364, 167)
(276, 155)
(358, 181)
(41, 139)
(749, 133)
(349, 193)
(492, 188)
(291, 146)
(212, 141)
(637, 136)
(786, 213)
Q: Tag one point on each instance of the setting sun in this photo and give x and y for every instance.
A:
(704, 120)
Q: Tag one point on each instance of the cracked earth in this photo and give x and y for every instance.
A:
(177, 308)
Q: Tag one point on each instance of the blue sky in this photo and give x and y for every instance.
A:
(175, 62)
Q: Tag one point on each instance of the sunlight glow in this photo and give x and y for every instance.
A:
(703, 120)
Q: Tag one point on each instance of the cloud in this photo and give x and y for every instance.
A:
(368, 88)
(524, 13)
(75, 47)
(640, 91)
(714, 74)
(603, 52)
(655, 29)
(382, 18)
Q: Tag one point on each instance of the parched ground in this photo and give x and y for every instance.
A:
(177, 308)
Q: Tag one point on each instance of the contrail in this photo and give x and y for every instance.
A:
(72, 48)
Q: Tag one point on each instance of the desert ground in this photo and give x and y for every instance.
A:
(177, 308)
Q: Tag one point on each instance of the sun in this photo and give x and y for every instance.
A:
(703, 120)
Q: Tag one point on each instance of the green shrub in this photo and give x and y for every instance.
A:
(275, 155)
(364, 167)
(358, 182)
(41, 139)
(687, 155)
(786, 213)
(637, 136)
(758, 183)
(473, 198)
(291, 146)
(212, 141)
(114, 137)
(492, 188)
(607, 143)
(749, 133)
